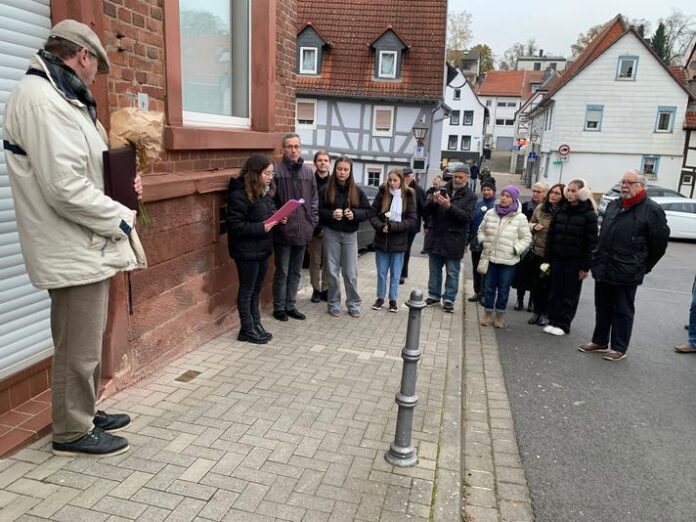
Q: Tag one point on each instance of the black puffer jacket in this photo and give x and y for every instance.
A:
(631, 242)
(321, 182)
(572, 235)
(246, 237)
(450, 227)
(360, 213)
(397, 238)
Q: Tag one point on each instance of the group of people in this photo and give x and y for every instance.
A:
(551, 244)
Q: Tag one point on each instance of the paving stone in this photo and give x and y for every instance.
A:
(14, 472)
(131, 485)
(78, 514)
(218, 506)
(18, 507)
(197, 470)
(186, 510)
(192, 490)
(517, 511)
(120, 507)
(282, 511)
(251, 497)
(154, 497)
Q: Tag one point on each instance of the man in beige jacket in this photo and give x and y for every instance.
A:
(73, 237)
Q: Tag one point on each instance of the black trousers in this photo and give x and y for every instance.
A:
(251, 274)
(407, 255)
(564, 294)
(478, 278)
(614, 311)
(540, 285)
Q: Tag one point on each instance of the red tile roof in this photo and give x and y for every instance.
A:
(352, 25)
(690, 122)
(679, 73)
(509, 83)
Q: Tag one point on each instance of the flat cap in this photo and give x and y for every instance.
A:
(460, 167)
(406, 171)
(82, 35)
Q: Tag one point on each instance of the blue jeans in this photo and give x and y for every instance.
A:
(286, 280)
(498, 279)
(452, 266)
(692, 316)
(391, 262)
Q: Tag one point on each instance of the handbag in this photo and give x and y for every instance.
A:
(482, 267)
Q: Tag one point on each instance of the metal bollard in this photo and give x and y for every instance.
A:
(401, 453)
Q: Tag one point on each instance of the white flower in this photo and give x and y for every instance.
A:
(545, 267)
(387, 215)
(484, 208)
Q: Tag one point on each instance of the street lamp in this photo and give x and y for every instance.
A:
(420, 130)
(418, 162)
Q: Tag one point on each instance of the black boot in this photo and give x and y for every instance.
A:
(251, 336)
(533, 319)
(262, 332)
(543, 320)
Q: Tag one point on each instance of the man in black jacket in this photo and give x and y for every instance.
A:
(632, 240)
(318, 274)
(451, 212)
(410, 180)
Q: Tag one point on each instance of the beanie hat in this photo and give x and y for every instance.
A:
(489, 184)
(513, 191)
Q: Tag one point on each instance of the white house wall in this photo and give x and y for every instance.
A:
(505, 113)
(467, 102)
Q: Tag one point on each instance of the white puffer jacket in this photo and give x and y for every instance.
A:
(70, 232)
(513, 241)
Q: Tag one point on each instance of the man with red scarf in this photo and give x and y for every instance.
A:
(632, 240)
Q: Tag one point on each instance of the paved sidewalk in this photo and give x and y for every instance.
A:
(297, 430)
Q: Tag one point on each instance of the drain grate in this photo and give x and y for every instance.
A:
(187, 376)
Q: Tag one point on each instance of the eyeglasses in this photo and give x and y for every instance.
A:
(268, 173)
(625, 182)
(293, 147)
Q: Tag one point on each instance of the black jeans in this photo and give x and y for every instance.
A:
(540, 285)
(251, 274)
(477, 278)
(614, 311)
(564, 293)
(407, 255)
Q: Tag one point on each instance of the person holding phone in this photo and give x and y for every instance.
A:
(250, 240)
(342, 206)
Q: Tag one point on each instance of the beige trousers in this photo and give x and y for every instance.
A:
(318, 273)
(78, 321)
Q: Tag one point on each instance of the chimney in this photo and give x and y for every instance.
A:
(541, 53)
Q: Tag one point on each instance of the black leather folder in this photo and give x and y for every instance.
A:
(119, 176)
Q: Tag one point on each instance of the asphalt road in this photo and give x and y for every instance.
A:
(609, 441)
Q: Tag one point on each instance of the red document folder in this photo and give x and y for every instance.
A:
(284, 211)
(119, 176)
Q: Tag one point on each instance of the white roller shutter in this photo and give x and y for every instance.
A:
(25, 330)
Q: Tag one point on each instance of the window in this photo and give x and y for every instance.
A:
(509, 122)
(308, 60)
(537, 66)
(488, 103)
(535, 87)
(457, 94)
(382, 121)
(553, 66)
(548, 119)
(468, 118)
(374, 175)
(500, 122)
(466, 142)
(665, 119)
(215, 70)
(452, 142)
(387, 64)
(593, 117)
(627, 68)
(649, 166)
(501, 104)
(512, 104)
(454, 118)
(305, 114)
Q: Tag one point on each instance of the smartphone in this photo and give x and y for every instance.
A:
(443, 192)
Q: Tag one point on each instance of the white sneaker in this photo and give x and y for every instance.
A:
(547, 328)
(556, 331)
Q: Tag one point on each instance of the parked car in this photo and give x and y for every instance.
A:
(366, 233)
(654, 191)
(681, 216)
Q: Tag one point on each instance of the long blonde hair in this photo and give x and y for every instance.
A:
(405, 192)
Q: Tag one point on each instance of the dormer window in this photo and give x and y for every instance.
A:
(387, 64)
(627, 68)
(389, 52)
(308, 60)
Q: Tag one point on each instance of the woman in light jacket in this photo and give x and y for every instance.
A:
(505, 236)
(393, 217)
(342, 206)
(250, 241)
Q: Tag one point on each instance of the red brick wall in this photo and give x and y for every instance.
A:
(187, 294)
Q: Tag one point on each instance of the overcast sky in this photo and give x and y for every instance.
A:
(554, 24)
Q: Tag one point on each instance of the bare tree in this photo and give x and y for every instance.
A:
(680, 29)
(459, 31)
(510, 57)
(584, 39)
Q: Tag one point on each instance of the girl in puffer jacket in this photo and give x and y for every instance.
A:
(505, 236)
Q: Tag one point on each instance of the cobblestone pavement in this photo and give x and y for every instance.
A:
(297, 430)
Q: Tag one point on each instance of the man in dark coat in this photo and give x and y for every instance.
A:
(451, 211)
(410, 180)
(632, 240)
(294, 180)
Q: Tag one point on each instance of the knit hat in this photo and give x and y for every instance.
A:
(460, 167)
(489, 184)
(513, 191)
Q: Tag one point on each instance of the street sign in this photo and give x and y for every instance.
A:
(564, 150)
(532, 155)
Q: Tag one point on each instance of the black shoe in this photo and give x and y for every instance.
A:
(518, 306)
(448, 307)
(251, 336)
(474, 298)
(379, 303)
(534, 319)
(280, 315)
(430, 301)
(296, 314)
(262, 332)
(530, 307)
(96, 443)
(111, 422)
(402, 280)
(393, 307)
(325, 296)
(543, 320)
(316, 296)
